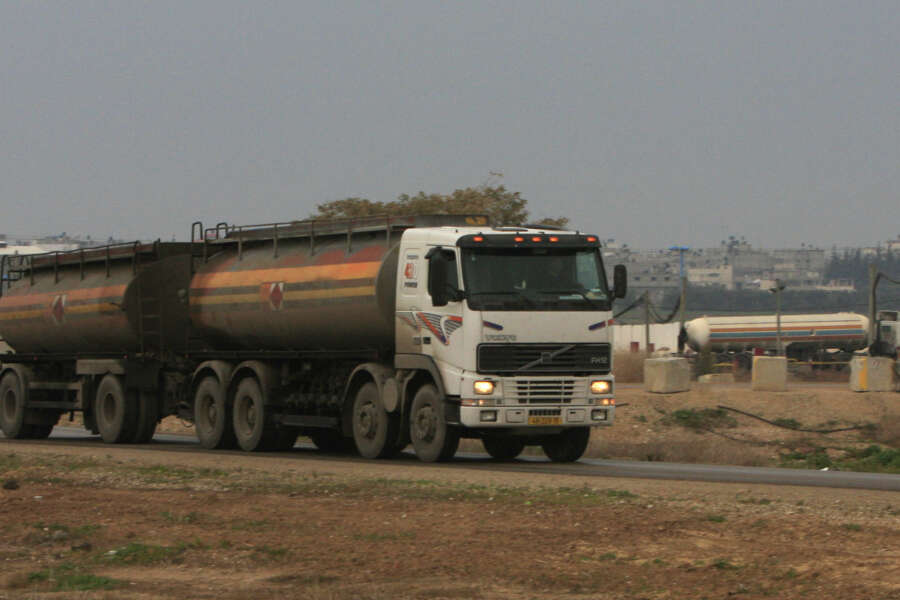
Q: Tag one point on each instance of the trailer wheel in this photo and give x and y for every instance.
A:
(115, 411)
(12, 408)
(249, 418)
(374, 430)
(148, 417)
(567, 446)
(431, 437)
(503, 447)
(212, 416)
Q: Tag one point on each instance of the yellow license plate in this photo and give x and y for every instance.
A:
(545, 420)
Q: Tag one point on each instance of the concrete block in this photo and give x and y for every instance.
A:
(872, 374)
(667, 375)
(716, 378)
(769, 374)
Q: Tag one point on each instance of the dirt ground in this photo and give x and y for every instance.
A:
(113, 522)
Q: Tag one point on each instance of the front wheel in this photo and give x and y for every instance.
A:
(503, 448)
(433, 439)
(567, 446)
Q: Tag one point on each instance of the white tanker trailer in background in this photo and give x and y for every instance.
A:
(824, 337)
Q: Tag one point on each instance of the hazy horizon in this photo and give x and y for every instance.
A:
(651, 123)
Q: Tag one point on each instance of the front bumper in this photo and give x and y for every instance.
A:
(534, 402)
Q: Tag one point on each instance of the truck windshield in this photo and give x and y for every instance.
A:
(535, 279)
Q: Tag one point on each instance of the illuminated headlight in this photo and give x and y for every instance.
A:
(600, 387)
(484, 388)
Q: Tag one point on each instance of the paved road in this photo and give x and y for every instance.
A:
(585, 467)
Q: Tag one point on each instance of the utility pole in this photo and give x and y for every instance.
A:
(647, 323)
(779, 286)
(873, 283)
(683, 298)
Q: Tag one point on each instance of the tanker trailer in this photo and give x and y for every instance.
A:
(91, 331)
(805, 337)
(376, 333)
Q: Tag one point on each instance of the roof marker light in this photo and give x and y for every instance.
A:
(478, 238)
(519, 238)
(554, 239)
(591, 238)
(536, 239)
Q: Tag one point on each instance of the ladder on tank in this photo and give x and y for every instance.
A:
(149, 321)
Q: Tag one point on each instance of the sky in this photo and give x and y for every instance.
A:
(654, 123)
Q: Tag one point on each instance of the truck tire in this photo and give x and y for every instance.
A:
(115, 411)
(250, 418)
(148, 417)
(503, 447)
(12, 408)
(567, 446)
(431, 437)
(213, 418)
(375, 432)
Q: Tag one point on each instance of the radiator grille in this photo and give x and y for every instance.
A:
(524, 359)
(542, 391)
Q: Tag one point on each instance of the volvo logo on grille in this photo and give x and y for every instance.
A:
(546, 357)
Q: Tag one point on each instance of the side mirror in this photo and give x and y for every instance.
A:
(620, 281)
(440, 262)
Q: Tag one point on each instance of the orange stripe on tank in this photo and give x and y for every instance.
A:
(335, 272)
(24, 299)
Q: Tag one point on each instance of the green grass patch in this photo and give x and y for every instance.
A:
(716, 518)
(68, 578)
(137, 553)
(852, 526)
(701, 419)
(872, 459)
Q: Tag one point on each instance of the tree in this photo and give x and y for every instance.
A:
(501, 205)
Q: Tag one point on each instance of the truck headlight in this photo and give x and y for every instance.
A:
(484, 388)
(600, 387)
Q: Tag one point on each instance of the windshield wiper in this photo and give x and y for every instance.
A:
(581, 293)
(518, 293)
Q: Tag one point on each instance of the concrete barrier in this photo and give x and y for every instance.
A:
(872, 374)
(769, 374)
(667, 375)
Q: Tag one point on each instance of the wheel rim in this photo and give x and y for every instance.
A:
(9, 405)
(366, 421)
(425, 423)
(207, 413)
(108, 408)
(246, 416)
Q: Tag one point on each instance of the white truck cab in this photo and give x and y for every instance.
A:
(517, 323)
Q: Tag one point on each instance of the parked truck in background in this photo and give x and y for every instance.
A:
(371, 333)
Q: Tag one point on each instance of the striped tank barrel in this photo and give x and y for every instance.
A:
(300, 297)
(109, 300)
(837, 330)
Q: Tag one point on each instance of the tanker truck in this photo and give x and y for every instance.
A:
(365, 335)
(816, 337)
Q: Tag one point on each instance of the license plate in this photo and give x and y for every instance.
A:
(545, 420)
